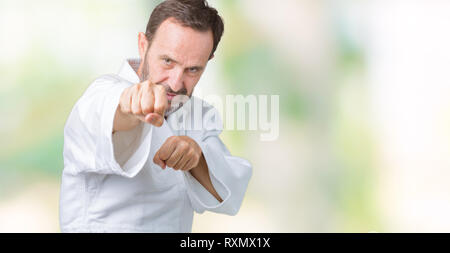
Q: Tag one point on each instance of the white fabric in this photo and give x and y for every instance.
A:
(110, 183)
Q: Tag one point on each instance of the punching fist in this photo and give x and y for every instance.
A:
(142, 102)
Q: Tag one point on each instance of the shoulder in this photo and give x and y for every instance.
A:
(109, 79)
(211, 117)
(107, 83)
(203, 107)
(202, 103)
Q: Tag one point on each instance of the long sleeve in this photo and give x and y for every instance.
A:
(229, 174)
(90, 146)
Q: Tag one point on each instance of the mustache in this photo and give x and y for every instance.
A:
(182, 91)
(178, 101)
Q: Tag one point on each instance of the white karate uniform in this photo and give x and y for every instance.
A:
(110, 183)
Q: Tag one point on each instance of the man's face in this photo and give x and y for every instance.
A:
(176, 58)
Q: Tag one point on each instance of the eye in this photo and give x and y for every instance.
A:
(167, 61)
(193, 70)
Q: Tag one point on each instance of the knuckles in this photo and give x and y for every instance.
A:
(136, 110)
(187, 149)
(160, 108)
(148, 108)
(184, 146)
(140, 99)
(170, 163)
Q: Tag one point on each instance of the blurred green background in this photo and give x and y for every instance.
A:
(364, 140)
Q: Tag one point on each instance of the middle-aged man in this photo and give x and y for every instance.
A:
(135, 158)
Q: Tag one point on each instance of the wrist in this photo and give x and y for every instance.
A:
(201, 167)
(124, 121)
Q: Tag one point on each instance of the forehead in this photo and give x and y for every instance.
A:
(183, 43)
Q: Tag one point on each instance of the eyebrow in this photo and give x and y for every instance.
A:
(164, 56)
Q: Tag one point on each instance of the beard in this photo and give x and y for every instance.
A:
(178, 101)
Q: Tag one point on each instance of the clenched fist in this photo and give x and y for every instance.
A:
(143, 102)
(179, 153)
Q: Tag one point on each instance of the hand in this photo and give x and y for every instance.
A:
(144, 102)
(179, 153)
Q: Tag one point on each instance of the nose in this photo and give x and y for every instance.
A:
(176, 80)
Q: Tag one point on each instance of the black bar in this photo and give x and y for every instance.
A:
(221, 242)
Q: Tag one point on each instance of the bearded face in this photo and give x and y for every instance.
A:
(176, 58)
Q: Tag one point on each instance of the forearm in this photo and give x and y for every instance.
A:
(201, 173)
(124, 122)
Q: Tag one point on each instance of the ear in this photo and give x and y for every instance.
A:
(142, 44)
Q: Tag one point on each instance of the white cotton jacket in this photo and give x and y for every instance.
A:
(110, 183)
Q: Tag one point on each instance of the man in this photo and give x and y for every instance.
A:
(132, 160)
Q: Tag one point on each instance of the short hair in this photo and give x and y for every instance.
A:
(196, 14)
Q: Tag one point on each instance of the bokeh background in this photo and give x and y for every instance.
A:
(364, 89)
